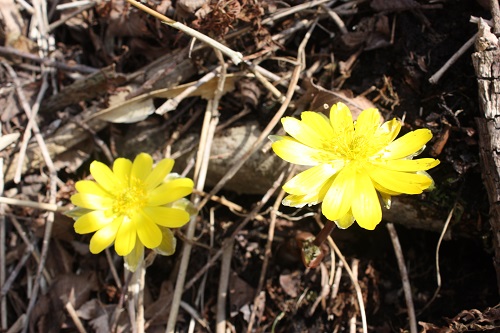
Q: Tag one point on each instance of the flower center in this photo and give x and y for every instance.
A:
(131, 199)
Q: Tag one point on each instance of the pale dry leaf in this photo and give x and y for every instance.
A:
(140, 107)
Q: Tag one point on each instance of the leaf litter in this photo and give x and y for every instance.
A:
(112, 66)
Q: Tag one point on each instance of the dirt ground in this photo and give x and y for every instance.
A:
(385, 51)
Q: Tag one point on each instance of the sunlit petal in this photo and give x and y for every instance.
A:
(143, 163)
(104, 237)
(125, 237)
(341, 121)
(122, 168)
(105, 177)
(313, 177)
(407, 144)
(171, 191)
(91, 187)
(402, 182)
(295, 152)
(367, 123)
(365, 204)
(159, 172)
(389, 130)
(345, 221)
(319, 123)
(302, 132)
(337, 201)
(91, 222)
(91, 201)
(408, 165)
(167, 217)
(148, 231)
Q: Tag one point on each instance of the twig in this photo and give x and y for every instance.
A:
(6, 50)
(265, 133)
(140, 299)
(37, 205)
(74, 316)
(52, 186)
(208, 130)
(267, 255)
(3, 265)
(240, 226)
(67, 17)
(438, 247)
(404, 277)
(225, 269)
(236, 57)
(112, 268)
(437, 76)
(172, 103)
(354, 281)
(495, 15)
(352, 320)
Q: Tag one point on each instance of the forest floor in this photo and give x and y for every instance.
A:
(95, 72)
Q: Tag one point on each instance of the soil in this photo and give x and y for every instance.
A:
(408, 42)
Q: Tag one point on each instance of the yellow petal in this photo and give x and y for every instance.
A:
(294, 152)
(345, 221)
(160, 171)
(134, 258)
(402, 182)
(408, 165)
(167, 217)
(105, 237)
(301, 132)
(388, 131)
(407, 144)
(91, 201)
(105, 177)
(308, 180)
(319, 123)
(337, 201)
(341, 121)
(143, 163)
(122, 168)
(367, 123)
(365, 203)
(91, 187)
(147, 230)
(125, 237)
(168, 243)
(171, 191)
(313, 197)
(91, 222)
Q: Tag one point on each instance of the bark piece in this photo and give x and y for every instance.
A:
(486, 63)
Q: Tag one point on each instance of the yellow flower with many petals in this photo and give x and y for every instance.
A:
(351, 162)
(133, 206)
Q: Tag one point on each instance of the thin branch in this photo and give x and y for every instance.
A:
(203, 157)
(236, 57)
(404, 277)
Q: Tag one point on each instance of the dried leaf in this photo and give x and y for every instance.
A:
(140, 107)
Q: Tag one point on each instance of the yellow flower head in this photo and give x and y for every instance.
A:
(351, 162)
(132, 205)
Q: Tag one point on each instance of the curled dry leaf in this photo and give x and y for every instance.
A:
(140, 107)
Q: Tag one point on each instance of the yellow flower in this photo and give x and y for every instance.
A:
(133, 205)
(351, 162)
